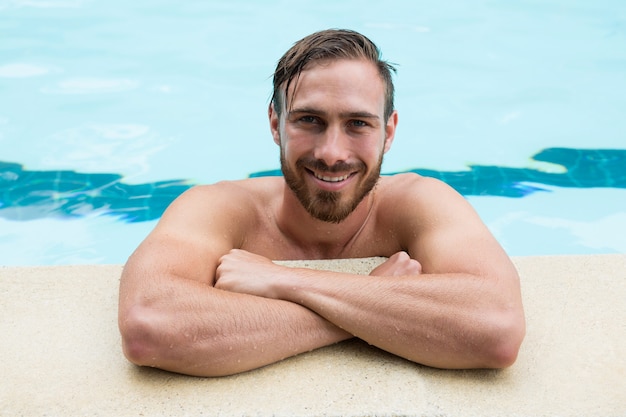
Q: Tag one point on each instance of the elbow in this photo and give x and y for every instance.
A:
(505, 341)
(140, 337)
(149, 339)
(502, 355)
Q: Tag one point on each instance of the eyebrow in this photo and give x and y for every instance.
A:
(355, 114)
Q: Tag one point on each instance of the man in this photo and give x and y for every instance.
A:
(201, 294)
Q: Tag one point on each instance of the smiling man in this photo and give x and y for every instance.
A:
(201, 295)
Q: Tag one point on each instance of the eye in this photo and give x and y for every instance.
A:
(308, 119)
(358, 123)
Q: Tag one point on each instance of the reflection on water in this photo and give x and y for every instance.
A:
(28, 195)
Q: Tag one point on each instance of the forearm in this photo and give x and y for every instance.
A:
(189, 327)
(443, 320)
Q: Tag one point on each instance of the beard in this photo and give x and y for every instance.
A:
(328, 206)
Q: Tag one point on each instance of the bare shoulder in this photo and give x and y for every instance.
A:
(414, 182)
(222, 203)
(234, 190)
(423, 194)
(202, 224)
(437, 225)
(413, 204)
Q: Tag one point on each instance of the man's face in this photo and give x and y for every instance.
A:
(333, 137)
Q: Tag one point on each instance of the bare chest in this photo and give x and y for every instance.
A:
(372, 240)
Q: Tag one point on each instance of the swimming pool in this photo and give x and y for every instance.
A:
(108, 110)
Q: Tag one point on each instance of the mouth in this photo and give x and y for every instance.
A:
(328, 178)
(331, 181)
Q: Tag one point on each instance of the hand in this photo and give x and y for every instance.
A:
(400, 263)
(247, 273)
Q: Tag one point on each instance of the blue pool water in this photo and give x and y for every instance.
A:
(110, 109)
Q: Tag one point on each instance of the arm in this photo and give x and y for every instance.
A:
(458, 307)
(171, 316)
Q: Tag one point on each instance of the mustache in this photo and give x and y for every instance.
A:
(321, 166)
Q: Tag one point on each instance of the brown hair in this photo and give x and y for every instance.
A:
(331, 44)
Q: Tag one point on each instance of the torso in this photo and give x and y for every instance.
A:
(377, 235)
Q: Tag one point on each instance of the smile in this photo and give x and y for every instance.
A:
(331, 179)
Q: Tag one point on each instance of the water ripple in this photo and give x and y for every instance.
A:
(28, 195)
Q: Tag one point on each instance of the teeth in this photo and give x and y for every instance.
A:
(331, 179)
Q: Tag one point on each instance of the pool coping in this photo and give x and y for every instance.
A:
(61, 356)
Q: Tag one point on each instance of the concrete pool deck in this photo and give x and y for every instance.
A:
(61, 356)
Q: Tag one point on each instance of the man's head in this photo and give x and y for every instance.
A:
(328, 45)
(332, 116)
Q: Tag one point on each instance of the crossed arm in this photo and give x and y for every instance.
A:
(242, 311)
(440, 320)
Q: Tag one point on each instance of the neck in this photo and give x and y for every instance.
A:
(317, 239)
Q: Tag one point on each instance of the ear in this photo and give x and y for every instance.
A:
(274, 123)
(390, 130)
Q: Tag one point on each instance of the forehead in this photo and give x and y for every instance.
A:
(337, 83)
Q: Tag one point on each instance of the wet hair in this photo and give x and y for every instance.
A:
(327, 45)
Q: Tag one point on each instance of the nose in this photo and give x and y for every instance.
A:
(332, 146)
